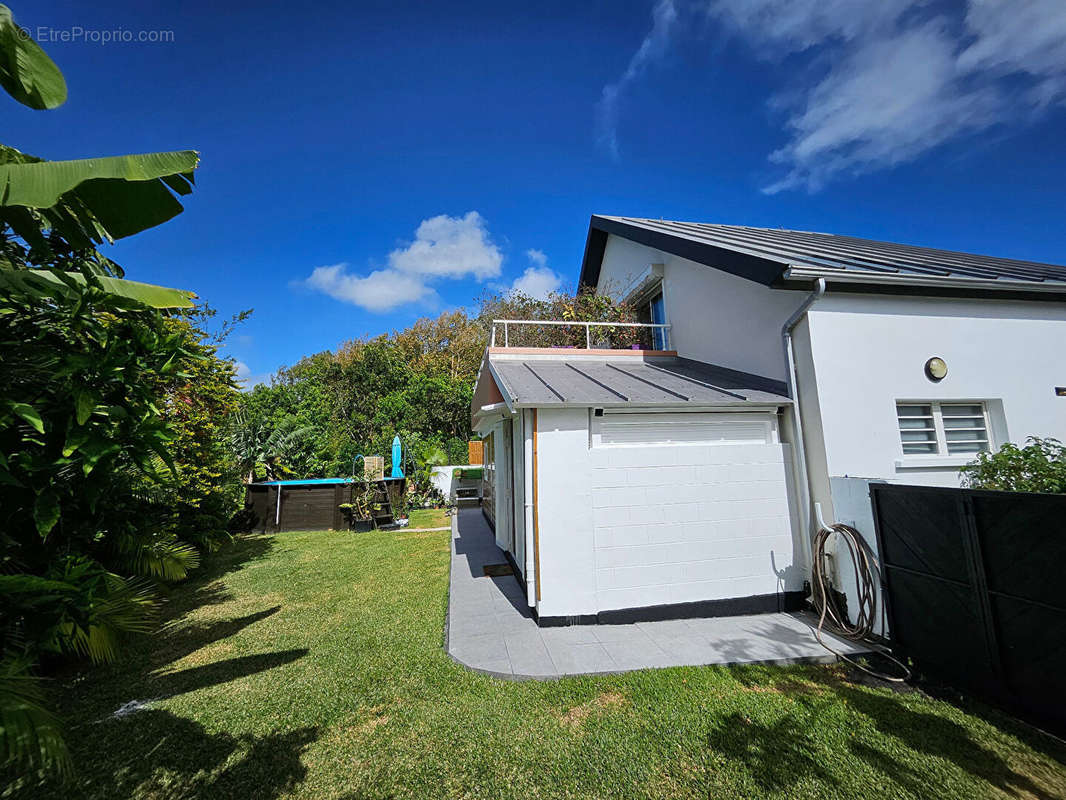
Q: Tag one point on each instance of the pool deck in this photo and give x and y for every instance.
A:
(490, 628)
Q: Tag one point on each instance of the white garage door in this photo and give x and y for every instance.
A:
(683, 428)
(689, 507)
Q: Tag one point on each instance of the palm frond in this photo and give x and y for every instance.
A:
(128, 606)
(31, 738)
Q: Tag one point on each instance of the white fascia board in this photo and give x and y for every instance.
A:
(842, 276)
(512, 402)
(668, 409)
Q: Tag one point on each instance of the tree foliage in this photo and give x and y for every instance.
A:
(1039, 466)
(416, 383)
(111, 476)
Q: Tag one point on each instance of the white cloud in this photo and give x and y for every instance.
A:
(655, 44)
(883, 81)
(247, 379)
(539, 280)
(381, 290)
(444, 248)
(796, 25)
(450, 247)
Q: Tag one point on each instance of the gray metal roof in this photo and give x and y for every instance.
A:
(778, 257)
(540, 381)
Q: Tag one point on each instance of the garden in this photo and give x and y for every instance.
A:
(151, 646)
(310, 665)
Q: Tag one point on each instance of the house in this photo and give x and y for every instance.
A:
(787, 370)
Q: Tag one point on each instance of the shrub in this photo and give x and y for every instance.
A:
(1040, 466)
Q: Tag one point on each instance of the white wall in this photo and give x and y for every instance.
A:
(631, 526)
(441, 478)
(870, 351)
(564, 506)
(867, 352)
(716, 317)
(516, 494)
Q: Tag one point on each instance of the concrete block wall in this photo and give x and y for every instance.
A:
(634, 526)
(683, 523)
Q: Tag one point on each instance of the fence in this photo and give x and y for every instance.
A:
(475, 453)
(974, 590)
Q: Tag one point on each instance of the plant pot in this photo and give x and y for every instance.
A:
(363, 525)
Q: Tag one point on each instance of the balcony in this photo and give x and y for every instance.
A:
(647, 337)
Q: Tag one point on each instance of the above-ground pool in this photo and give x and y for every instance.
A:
(305, 481)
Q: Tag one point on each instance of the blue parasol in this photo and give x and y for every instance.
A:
(397, 455)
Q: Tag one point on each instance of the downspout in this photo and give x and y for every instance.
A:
(799, 452)
(527, 496)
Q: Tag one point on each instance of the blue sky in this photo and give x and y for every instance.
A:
(364, 164)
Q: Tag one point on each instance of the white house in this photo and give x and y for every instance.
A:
(792, 369)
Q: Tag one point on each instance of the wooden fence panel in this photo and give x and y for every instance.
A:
(475, 453)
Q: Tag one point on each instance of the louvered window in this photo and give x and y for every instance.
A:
(938, 428)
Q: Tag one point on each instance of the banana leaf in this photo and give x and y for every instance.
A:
(26, 72)
(90, 200)
(43, 283)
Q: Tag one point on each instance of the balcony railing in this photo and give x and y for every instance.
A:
(660, 339)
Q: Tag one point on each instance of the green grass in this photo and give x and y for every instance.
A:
(428, 518)
(310, 665)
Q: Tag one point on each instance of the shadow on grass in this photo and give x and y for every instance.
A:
(178, 641)
(203, 587)
(777, 755)
(166, 756)
(932, 735)
(189, 680)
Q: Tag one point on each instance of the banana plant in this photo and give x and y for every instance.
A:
(53, 214)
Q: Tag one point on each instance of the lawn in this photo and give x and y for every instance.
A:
(309, 665)
(428, 518)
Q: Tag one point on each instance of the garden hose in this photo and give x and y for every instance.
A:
(831, 615)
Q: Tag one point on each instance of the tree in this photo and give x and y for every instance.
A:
(1040, 466)
(449, 346)
(83, 454)
(84, 458)
(198, 406)
(262, 449)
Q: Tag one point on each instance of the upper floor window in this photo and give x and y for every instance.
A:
(940, 428)
(652, 309)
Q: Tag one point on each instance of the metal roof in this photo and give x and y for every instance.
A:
(583, 381)
(781, 257)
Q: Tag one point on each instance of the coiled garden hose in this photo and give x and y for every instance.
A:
(867, 571)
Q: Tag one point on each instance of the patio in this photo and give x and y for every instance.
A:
(490, 628)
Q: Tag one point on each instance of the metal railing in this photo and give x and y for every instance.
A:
(664, 328)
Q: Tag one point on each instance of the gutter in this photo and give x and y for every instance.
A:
(894, 279)
(799, 451)
(529, 420)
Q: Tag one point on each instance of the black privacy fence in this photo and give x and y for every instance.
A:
(975, 591)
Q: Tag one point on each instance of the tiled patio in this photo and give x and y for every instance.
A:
(490, 628)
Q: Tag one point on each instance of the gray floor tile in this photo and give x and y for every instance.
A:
(528, 654)
(571, 634)
(491, 629)
(647, 656)
(609, 634)
(501, 667)
(580, 659)
(478, 647)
